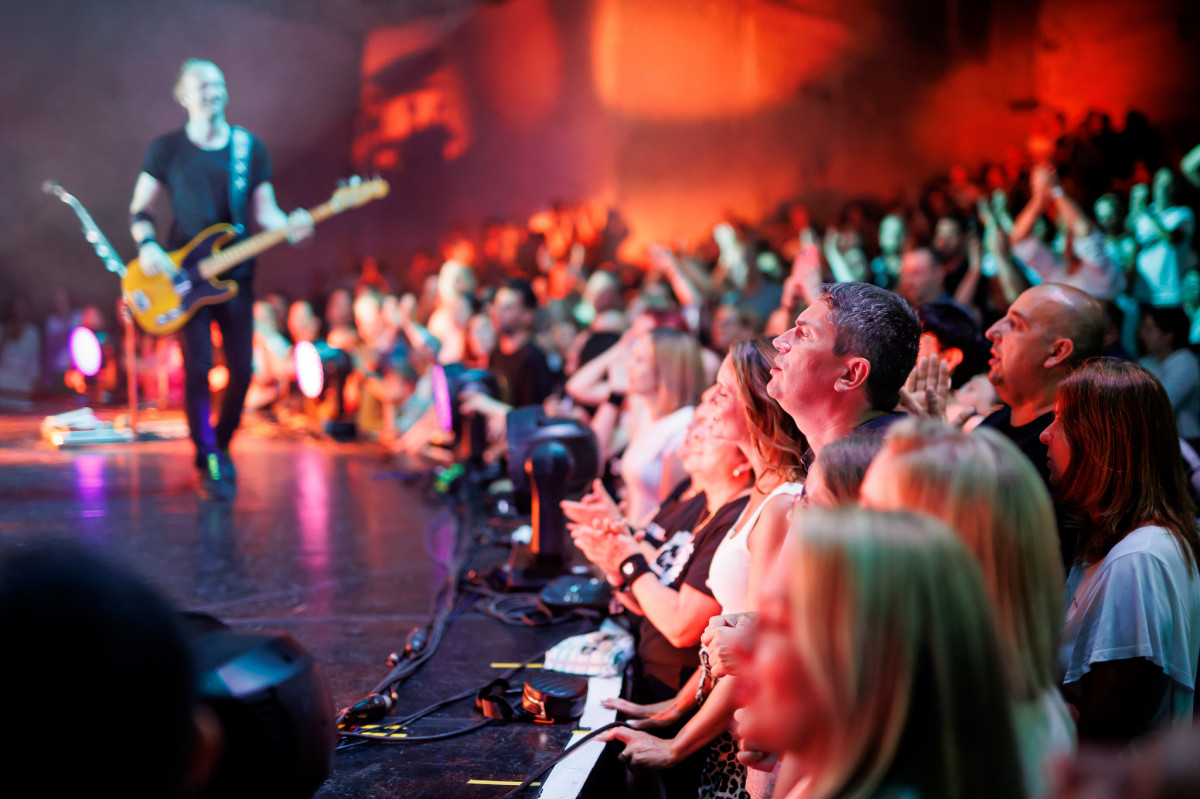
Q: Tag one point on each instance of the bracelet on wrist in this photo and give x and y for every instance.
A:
(145, 241)
(615, 399)
(631, 569)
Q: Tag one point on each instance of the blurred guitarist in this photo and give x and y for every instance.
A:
(214, 173)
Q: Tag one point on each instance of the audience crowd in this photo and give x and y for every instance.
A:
(892, 504)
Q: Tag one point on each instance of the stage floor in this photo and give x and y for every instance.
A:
(326, 542)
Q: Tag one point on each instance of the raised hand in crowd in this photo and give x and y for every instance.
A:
(595, 506)
(927, 391)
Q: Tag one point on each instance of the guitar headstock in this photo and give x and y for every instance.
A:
(356, 191)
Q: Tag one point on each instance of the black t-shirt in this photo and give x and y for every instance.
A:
(524, 376)
(683, 560)
(1027, 437)
(198, 182)
(872, 428)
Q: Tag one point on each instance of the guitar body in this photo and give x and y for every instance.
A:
(164, 303)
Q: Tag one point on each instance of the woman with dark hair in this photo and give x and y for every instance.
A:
(1132, 633)
(1164, 336)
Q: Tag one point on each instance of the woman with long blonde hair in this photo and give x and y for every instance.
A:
(982, 487)
(875, 665)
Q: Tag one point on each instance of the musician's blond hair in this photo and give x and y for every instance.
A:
(986, 490)
(890, 619)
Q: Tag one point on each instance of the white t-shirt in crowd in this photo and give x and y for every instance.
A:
(642, 462)
(1138, 602)
(1094, 271)
(1161, 264)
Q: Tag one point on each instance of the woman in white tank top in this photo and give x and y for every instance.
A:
(767, 435)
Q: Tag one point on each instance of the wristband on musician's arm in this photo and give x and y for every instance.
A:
(144, 216)
(615, 399)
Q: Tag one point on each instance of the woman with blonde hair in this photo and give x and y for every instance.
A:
(875, 666)
(986, 490)
(1132, 632)
(646, 387)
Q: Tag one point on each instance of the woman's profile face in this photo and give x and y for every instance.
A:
(640, 370)
(729, 408)
(1058, 451)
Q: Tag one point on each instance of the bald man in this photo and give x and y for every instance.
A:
(1048, 331)
(193, 167)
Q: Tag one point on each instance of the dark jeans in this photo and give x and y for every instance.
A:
(235, 319)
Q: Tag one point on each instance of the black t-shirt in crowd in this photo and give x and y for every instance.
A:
(683, 559)
(524, 376)
(198, 182)
(1027, 437)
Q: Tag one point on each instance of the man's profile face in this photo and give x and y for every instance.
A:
(806, 368)
(1022, 341)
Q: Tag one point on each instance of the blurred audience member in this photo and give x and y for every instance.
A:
(871, 621)
(57, 602)
(20, 351)
(985, 489)
(1163, 229)
(56, 341)
(1164, 335)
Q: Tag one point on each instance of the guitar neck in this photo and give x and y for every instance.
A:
(235, 254)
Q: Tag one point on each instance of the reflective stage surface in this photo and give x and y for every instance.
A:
(326, 542)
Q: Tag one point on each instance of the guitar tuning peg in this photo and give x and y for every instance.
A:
(355, 180)
(341, 184)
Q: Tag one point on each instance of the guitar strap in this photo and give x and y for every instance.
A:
(239, 175)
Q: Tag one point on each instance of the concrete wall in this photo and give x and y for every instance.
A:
(679, 110)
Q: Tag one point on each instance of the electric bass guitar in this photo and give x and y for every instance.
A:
(165, 302)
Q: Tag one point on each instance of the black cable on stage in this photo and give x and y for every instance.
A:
(422, 641)
(563, 755)
(436, 706)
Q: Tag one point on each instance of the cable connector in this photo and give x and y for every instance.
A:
(371, 708)
(417, 638)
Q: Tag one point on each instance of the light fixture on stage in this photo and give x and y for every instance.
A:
(85, 351)
(548, 459)
(321, 373)
(274, 707)
(450, 382)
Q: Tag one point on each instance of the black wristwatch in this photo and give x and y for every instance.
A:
(632, 568)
